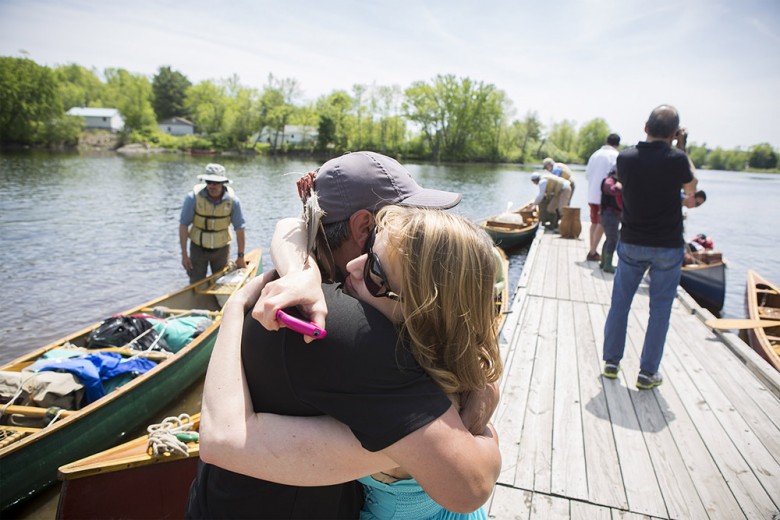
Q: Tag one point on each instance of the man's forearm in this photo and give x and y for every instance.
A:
(241, 240)
(183, 236)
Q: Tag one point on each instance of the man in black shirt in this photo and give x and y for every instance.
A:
(651, 237)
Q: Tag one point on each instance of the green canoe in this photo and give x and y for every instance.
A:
(31, 451)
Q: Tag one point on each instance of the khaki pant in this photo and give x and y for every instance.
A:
(201, 258)
(559, 201)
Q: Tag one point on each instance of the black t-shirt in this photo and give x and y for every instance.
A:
(359, 373)
(652, 174)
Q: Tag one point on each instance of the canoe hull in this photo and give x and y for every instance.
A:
(154, 491)
(706, 284)
(762, 299)
(508, 235)
(30, 465)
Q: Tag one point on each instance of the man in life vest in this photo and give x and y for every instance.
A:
(205, 220)
(554, 195)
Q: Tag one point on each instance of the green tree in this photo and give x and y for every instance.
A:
(29, 99)
(698, 154)
(525, 135)
(591, 137)
(276, 106)
(458, 117)
(206, 103)
(737, 160)
(392, 127)
(334, 121)
(716, 159)
(78, 86)
(562, 142)
(241, 118)
(131, 94)
(762, 156)
(169, 89)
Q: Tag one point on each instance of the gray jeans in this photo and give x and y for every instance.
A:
(611, 222)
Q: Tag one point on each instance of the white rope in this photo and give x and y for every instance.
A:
(162, 436)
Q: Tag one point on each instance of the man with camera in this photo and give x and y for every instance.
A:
(652, 174)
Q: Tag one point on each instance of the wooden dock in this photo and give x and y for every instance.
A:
(705, 444)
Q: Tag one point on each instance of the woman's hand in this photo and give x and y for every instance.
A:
(301, 289)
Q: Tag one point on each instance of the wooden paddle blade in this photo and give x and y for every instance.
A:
(726, 323)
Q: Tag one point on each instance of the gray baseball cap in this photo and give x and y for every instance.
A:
(370, 180)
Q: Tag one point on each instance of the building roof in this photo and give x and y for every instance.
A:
(93, 112)
(176, 121)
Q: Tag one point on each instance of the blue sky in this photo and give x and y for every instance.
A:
(718, 61)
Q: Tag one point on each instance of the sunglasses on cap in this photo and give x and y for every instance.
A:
(373, 270)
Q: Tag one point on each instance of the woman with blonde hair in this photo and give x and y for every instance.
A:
(438, 273)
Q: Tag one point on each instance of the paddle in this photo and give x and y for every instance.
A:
(30, 411)
(725, 324)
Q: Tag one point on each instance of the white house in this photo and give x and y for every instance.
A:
(293, 134)
(105, 118)
(176, 126)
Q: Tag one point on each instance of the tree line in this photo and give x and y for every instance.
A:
(446, 118)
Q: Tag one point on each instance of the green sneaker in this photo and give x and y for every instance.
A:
(611, 370)
(647, 381)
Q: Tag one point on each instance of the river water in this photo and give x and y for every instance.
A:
(85, 236)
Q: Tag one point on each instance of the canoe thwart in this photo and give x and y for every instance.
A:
(729, 323)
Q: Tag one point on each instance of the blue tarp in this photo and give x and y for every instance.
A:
(94, 369)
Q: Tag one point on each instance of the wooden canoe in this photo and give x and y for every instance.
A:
(513, 228)
(502, 286)
(762, 299)
(704, 278)
(128, 482)
(31, 454)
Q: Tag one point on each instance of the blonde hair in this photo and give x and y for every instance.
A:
(448, 272)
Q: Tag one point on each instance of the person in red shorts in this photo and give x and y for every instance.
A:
(599, 165)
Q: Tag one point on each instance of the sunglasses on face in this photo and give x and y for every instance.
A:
(373, 270)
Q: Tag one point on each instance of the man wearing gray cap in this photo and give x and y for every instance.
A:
(360, 374)
(206, 215)
(350, 190)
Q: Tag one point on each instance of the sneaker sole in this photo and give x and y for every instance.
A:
(648, 387)
(609, 375)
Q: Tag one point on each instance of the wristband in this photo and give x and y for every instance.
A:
(240, 255)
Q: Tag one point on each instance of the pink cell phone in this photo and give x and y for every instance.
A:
(307, 328)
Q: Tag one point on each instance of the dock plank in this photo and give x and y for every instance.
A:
(511, 412)
(605, 481)
(568, 462)
(534, 461)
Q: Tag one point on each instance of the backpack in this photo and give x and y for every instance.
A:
(119, 331)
